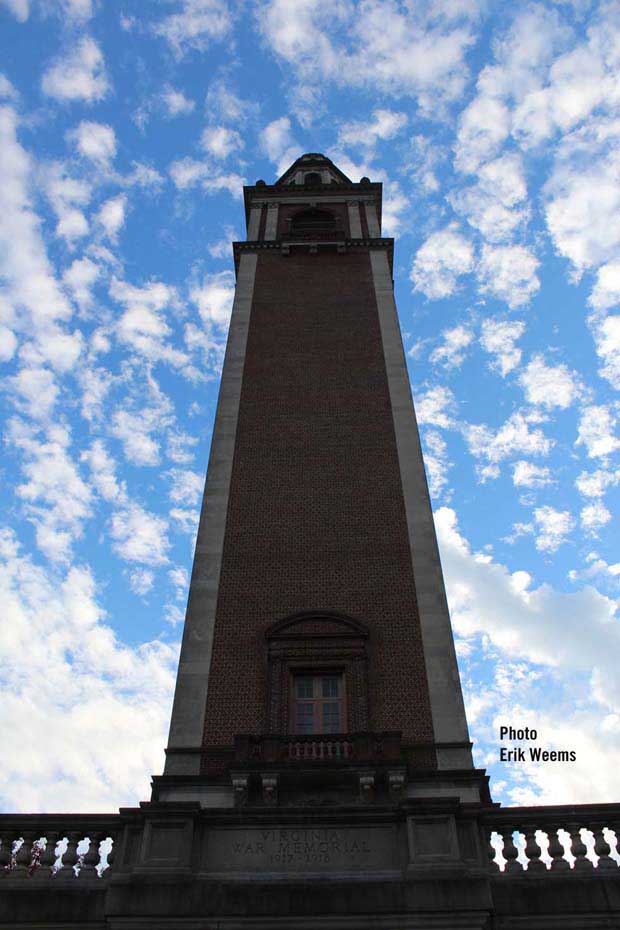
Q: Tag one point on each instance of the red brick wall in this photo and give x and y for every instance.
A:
(316, 516)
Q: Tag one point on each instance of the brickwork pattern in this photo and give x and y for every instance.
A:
(316, 518)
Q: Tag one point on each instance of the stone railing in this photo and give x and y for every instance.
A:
(321, 749)
(563, 839)
(57, 846)
(336, 748)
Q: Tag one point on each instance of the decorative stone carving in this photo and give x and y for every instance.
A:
(240, 790)
(367, 787)
(270, 789)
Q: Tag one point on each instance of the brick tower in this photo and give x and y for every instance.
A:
(317, 627)
(318, 773)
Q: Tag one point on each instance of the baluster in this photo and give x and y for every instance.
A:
(510, 851)
(70, 856)
(557, 853)
(578, 849)
(11, 856)
(5, 852)
(532, 850)
(492, 854)
(38, 848)
(22, 859)
(48, 856)
(90, 859)
(602, 847)
(615, 829)
(112, 853)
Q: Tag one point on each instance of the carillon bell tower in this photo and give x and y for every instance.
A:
(318, 772)
(317, 653)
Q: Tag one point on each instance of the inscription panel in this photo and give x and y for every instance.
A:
(301, 849)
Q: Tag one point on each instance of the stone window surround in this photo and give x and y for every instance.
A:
(291, 652)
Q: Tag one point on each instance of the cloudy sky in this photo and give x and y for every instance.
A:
(126, 133)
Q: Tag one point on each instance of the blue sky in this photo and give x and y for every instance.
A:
(127, 131)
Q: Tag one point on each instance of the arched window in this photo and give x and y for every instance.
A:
(313, 178)
(317, 675)
(313, 223)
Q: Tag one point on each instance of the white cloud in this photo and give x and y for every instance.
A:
(596, 431)
(187, 172)
(176, 103)
(220, 141)
(508, 273)
(582, 207)
(554, 527)
(579, 81)
(436, 462)
(595, 516)
(143, 326)
(180, 579)
(186, 520)
(223, 247)
(96, 141)
(35, 391)
(80, 278)
(395, 207)
(223, 105)
(139, 536)
(30, 285)
(606, 290)
(19, 8)
(80, 75)
(195, 25)
(549, 385)
(607, 339)
(435, 407)
(383, 125)
(111, 215)
(186, 486)
(419, 51)
(568, 632)
(8, 344)
(276, 139)
(514, 437)
(595, 483)
(214, 298)
(95, 383)
(141, 581)
(494, 205)
(498, 338)
(56, 499)
(72, 711)
(440, 261)
(483, 127)
(103, 471)
(78, 11)
(451, 352)
(529, 475)
(7, 91)
(67, 196)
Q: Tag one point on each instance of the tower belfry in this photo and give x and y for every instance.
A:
(317, 626)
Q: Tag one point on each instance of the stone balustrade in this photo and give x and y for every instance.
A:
(57, 846)
(339, 748)
(322, 749)
(553, 839)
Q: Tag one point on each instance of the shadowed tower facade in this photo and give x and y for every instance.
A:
(317, 626)
(318, 772)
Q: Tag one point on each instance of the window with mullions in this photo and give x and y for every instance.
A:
(318, 704)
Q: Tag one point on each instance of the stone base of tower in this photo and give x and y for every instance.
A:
(422, 864)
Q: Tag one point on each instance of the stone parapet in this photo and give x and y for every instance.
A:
(421, 863)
